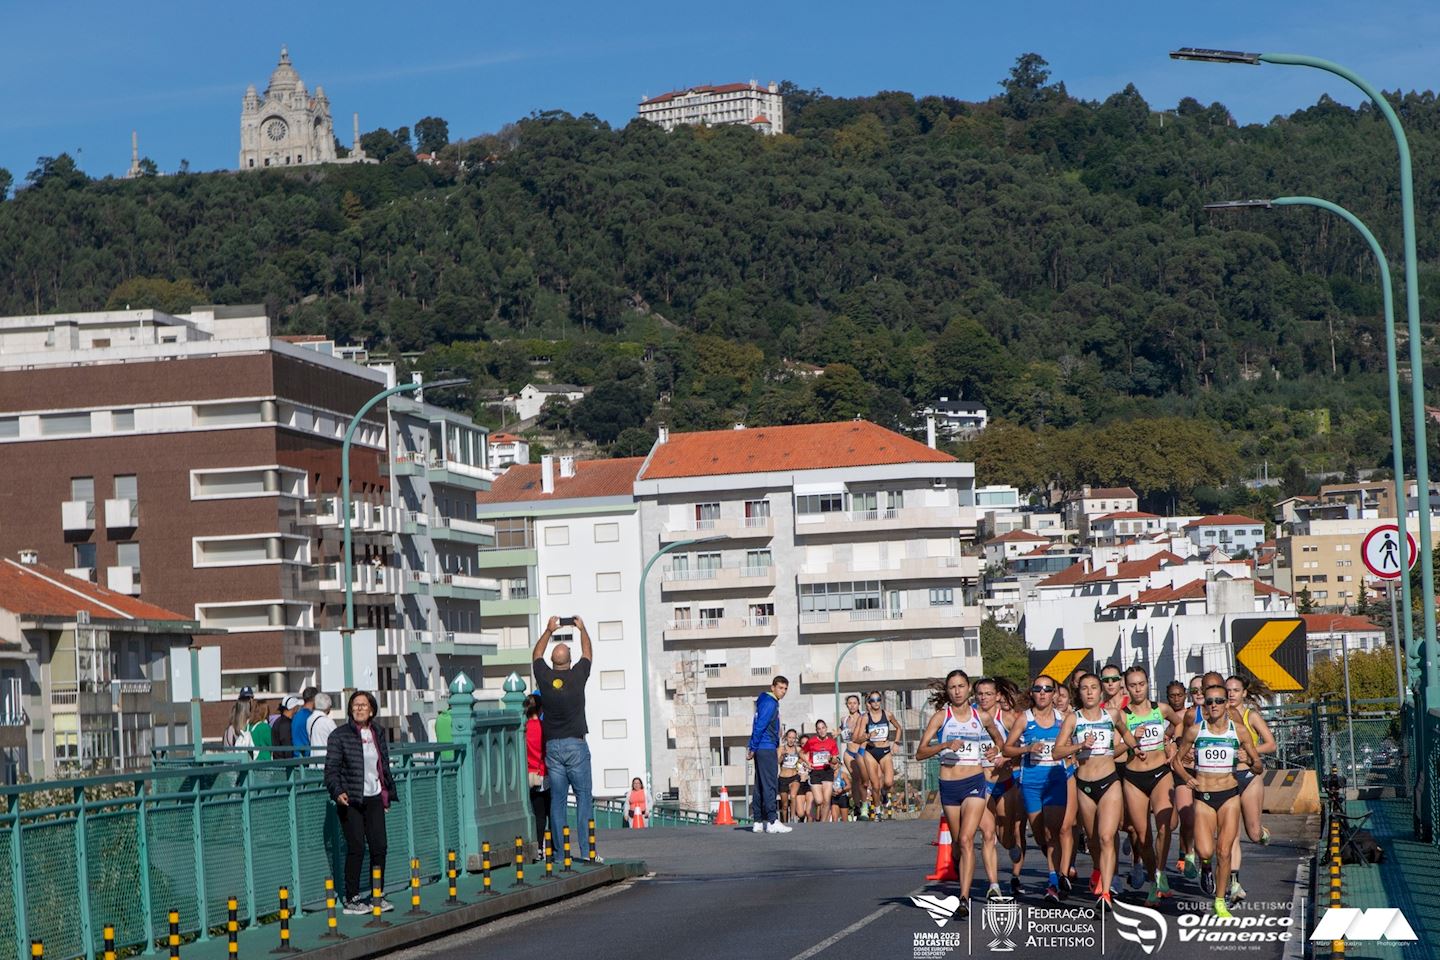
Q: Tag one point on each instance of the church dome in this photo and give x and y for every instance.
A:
(283, 79)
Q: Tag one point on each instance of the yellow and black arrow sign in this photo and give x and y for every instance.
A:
(1272, 651)
(1061, 663)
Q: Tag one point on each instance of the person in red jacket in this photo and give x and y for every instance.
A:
(819, 750)
(535, 772)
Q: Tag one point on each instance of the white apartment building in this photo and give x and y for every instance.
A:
(1092, 502)
(760, 108)
(787, 546)
(1230, 532)
(567, 542)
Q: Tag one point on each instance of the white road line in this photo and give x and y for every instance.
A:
(863, 922)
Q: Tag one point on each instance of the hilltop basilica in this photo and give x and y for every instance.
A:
(287, 126)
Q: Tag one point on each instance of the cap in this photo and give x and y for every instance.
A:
(291, 702)
(308, 694)
(246, 693)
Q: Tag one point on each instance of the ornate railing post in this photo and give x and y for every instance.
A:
(462, 704)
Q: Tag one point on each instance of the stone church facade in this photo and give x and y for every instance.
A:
(287, 126)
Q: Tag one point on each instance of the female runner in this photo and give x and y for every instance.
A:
(995, 698)
(853, 753)
(1147, 779)
(1217, 744)
(1042, 779)
(800, 796)
(1252, 787)
(1064, 706)
(789, 775)
(880, 734)
(818, 752)
(1184, 818)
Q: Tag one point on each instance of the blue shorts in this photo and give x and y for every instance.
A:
(1043, 787)
(999, 787)
(955, 792)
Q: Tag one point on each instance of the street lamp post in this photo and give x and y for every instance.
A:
(841, 659)
(1430, 669)
(1397, 454)
(645, 644)
(1349, 704)
(347, 631)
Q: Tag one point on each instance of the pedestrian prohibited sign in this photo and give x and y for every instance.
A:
(1381, 552)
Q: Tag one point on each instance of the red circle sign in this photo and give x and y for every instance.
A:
(1381, 552)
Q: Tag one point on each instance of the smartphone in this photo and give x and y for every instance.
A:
(567, 621)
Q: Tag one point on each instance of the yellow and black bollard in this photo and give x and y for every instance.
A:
(450, 874)
(519, 862)
(548, 852)
(485, 887)
(377, 898)
(285, 946)
(232, 928)
(109, 953)
(37, 948)
(565, 832)
(332, 923)
(593, 852)
(174, 939)
(415, 910)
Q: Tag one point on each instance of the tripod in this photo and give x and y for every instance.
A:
(1349, 827)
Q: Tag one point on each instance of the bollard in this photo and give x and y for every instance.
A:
(285, 946)
(450, 874)
(377, 895)
(37, 948)
(519, 862)
(232, 928)
(485, 869)
(594, 854)
(415, 910)
(174, 939)
(548, 852)
(332, 923)
(565, 832)
(109, 953)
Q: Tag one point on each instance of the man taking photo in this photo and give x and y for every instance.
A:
(763, 749)
(567, 757)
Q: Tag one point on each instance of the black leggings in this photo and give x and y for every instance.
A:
(364, 823)
(540, 807)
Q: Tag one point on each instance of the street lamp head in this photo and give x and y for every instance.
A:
(710, 539)
(1215, 56)
(437, 384)
(1239, 204)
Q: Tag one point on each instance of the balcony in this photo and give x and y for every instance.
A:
(910, 568)
(416, 581)
(732, 678)
(77, 515)
(464, 586)
(457, 474)
(122, 514)
(498, 557)
(365, 517)
(889, 621)
(365, 578)
(511, 606)
(82, 573)
(886, 520)
(124, 580)
(734, 528)
(462, 644)
(728, 577)
(419, 524)
(717, 629)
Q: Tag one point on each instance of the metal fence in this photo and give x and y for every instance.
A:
(125, 850)
(610, 814)
(1364, 743)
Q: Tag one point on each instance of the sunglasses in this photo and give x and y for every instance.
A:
(1216, 701)
(1194, 691)
(873, 700)
(1109, 679)
(1039, 689)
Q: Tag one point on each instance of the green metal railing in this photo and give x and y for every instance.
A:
(1363, 744)
(610, 814)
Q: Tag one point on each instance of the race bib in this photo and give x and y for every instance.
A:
(1046, 749)
(1215, 758)
(791, 761)
(1150, 736)
(820, 757)
(881, 732)
(970, 751)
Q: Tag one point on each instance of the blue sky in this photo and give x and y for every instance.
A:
(80, 75)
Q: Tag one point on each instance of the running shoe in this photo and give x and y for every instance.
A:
(1137, 875)
(1264, 837)
(1207, 881)
(777, 827)
(1104, 898)
(385, 905)
(963, 910)
(1065, 887)
(1221, 910)
(357, 907)
(994, 893)
(1162, 885)
(1015, 854)
(1125, 846)
(1095, 879)
(1015, 886)
(758, 826)
(1052, 895)
(1180, 864)
(1152, 895)
(1190, 867)
(1237, 892)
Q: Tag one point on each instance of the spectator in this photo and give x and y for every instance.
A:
(637, 805)
(282, 735)
(320, 726)
(237, 731)
(535, 772)
(260, 732)
(357, 775)
(232, 735)
(567, 756)
(300, 723)
(764, 750)
(445, 732)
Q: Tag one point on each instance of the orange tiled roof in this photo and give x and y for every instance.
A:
(1329, 623)
(593, 478)
(1015, 535)
(1224, 520)
(1112, 493)
(1193, 590)
(35, 590)
(812, 446)
(1127, 515)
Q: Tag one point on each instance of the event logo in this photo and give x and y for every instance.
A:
(1001, 917)
(941, 909)
(1140, 925)
(1351, 923)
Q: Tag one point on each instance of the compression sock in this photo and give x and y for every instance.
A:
(1054, 879)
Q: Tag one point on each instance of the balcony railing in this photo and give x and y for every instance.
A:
(77, 515)
(735, 527)
(121, 514)
(887, 518)
(718, 627)
(64, 693)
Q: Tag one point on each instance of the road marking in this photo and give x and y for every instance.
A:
(863, 922)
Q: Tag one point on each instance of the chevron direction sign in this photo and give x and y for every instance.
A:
(1272, 651)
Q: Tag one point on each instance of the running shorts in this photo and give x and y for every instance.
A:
(1043, 787)
(955, 792)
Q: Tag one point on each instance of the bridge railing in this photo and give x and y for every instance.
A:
(1363, 743)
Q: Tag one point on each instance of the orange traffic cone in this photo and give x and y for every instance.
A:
(941, 831)
(724, 817)
(637, 819)
(945, 867)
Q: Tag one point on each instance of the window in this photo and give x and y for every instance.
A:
(83, 488)
(614, 729)
(710, 615)
(514, 533)
(557, 586)
(820, 503)
(9, 426)
(1320, 578)
(972, 644)
(85, 555)
(126, 487)
(610, 630)
(224, 414)
(942, 597)
(612, 679)
(757, 562)
(607, 583)
(707, 563)
(617, 778)
(826, 597)
(122, 420)
(718, 708)
(756, 512)
(705, 515)
(865, 503)
(517, 588)
(1302, 579)
(1310, 548)
(127, 555)
(761, 614)
(56, 424)
(1257, 533)
(607, 532)
(557, 536)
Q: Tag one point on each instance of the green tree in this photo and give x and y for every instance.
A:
(6, 179)
(1372, 676)
(1025, 87)
(1304, 603)
(432, 134)
(610, 409)
(1004, 653)
(632, 442)
(841, 393)
(157, 293)
(148, 167)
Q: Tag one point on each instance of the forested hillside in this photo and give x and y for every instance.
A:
(1045, 255)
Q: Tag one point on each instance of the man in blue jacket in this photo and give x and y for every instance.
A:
(763, 749)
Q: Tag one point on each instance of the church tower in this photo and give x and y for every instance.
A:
(286, 127)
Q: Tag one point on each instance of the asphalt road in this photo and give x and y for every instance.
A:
(843, 891)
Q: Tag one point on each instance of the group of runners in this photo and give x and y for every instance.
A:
(843, 774)
(1101, 768)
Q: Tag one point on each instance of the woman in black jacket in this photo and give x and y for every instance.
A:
(357, 774)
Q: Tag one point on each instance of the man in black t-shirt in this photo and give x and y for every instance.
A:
(567, 757)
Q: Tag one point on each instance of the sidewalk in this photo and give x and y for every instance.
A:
(406, 930)
(1408, 879)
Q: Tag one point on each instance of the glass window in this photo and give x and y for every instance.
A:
(757, 561)
(757, 509)
(942, 597)
(85, 555)
(82, 488)
(557, 536)
(864, 502)
(125, 487)
(607, 532)
(708, 562)
(820, 503)
(512, 533)
(128, 554)
(705, 515)
(122, 420)
(9, 426)
(711, 614)
(52, 424)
